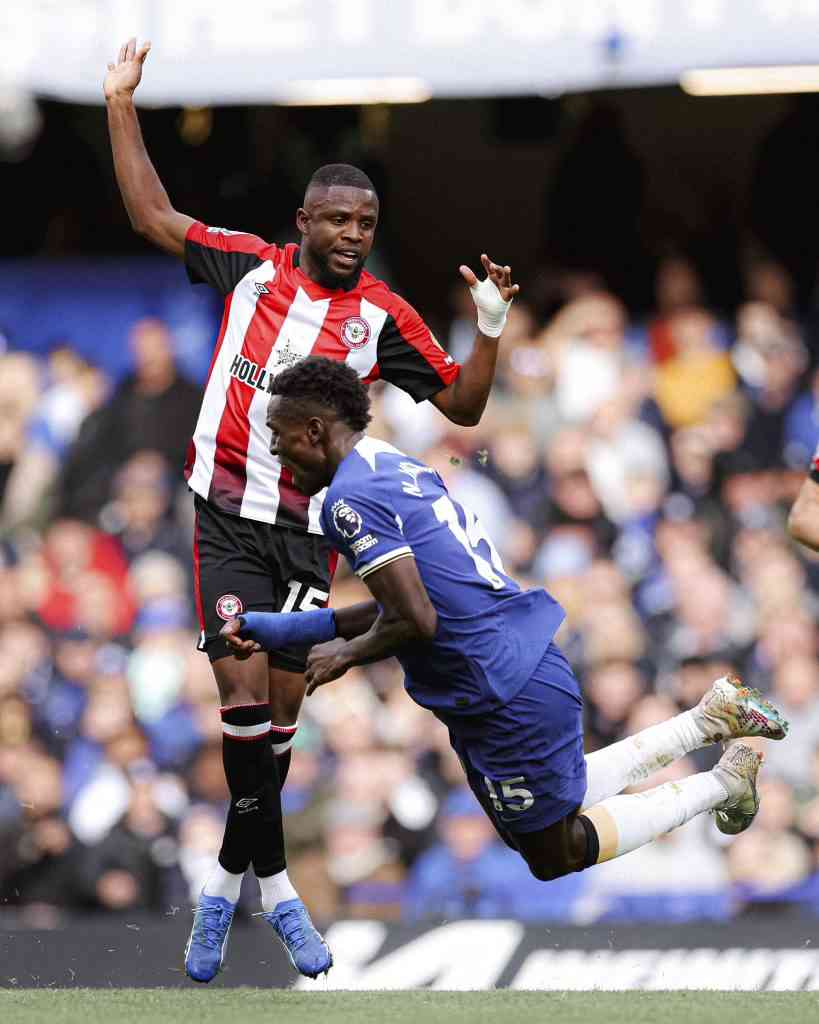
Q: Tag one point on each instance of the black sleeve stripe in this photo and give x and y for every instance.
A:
(814, 474)
(403, 365)
(223, 270)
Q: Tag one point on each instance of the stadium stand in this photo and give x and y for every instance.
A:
(642, 471)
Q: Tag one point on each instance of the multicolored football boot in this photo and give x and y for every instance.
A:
(737, 770)
(730, 711)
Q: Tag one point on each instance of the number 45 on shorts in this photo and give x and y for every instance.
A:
(506, 795)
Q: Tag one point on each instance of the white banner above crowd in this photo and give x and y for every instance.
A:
(311, 51)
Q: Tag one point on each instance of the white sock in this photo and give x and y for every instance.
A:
(275, 889)
(626, 822)
(612, 769)
(223, 883)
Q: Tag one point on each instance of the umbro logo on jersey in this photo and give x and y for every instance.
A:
(261, 289)
(246, 804)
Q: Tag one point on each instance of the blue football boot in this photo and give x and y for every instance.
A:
(205, 951)
(308, 951)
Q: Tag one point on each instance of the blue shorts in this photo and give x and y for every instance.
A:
(525, 761)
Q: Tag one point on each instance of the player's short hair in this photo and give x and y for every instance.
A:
(340, 174)
(327, 383)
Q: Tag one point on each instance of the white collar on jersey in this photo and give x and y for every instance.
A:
(368, 447)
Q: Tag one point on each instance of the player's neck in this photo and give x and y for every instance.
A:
(341, 445)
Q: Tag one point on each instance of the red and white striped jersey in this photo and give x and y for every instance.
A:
(275, 316)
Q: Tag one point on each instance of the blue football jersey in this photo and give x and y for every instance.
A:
(383, 505)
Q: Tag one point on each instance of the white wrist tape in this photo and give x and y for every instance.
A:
(491, 307)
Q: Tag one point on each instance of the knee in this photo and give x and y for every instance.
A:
(237, 684)
(285, 707)
(235, 696)
(556, 866)
(286, 692)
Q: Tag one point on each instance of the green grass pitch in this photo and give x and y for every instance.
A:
(261, 1006)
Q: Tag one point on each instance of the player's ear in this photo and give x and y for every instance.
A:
(316, 430)
(302, 220)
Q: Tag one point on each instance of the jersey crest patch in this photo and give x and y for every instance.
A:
(355, 332)
(228, 607)
(345, 519)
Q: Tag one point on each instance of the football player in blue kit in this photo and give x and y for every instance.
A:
(479, 652)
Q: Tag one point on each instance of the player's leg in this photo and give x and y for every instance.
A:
(302, 568)
(254, 812)
(728, 710)
(300, 573)
(285, 691)
(626, 822)
(230, 578)
(254, 823)
(286, 688)
(529, 755)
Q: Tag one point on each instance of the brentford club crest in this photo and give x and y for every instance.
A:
(228, 607)
(355, 332)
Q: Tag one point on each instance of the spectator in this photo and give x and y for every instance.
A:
(153, 409)
(73, 389)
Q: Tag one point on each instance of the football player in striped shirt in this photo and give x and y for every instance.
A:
(258, 542)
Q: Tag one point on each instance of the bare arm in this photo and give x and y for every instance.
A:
(406, 616)
(356, 619)
(803, 520)
(149, 208)
(464, 401)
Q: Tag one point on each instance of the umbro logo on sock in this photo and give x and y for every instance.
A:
(246, 804)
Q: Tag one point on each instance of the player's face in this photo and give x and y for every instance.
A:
(296, 444)
(338, 228)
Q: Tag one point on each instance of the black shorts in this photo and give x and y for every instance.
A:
(241, 565)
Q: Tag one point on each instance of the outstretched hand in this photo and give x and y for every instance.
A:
(492, 296)
(501, 277)
(124, 75)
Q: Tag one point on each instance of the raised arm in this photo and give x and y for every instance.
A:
(149, 208)
(464, 400)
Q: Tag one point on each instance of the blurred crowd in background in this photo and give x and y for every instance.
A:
(641, 471)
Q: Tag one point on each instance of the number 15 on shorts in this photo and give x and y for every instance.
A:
(506, 795)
